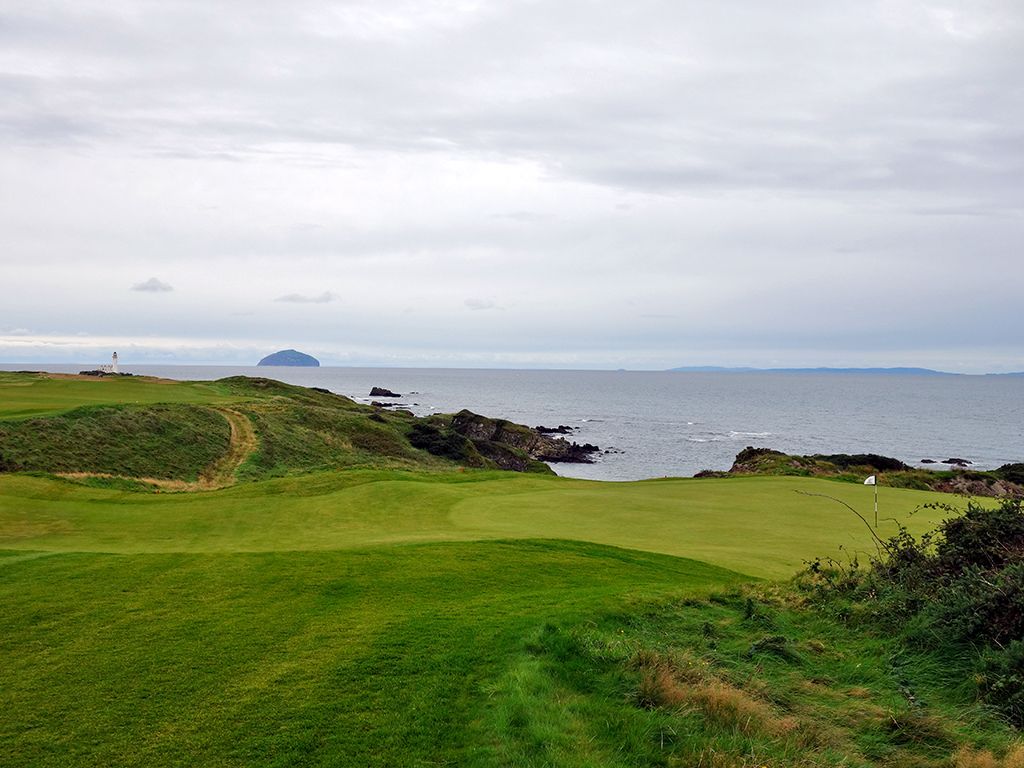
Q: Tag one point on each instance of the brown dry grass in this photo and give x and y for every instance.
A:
(965, 757)
(682, 684)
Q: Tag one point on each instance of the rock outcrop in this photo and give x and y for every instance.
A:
(561, 429)
(1008, 480)
(486, 432)
(381, 392)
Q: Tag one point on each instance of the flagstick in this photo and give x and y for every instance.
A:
(876, 502)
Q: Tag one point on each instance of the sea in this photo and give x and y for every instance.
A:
(674, 424)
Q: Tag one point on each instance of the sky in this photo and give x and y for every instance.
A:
(515, 183)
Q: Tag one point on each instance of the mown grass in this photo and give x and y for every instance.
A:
(377, 657)
(757, 525)
(31, 395)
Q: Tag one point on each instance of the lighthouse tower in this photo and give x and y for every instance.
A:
(113, 364)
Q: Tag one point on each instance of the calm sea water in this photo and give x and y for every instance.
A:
(675, 424)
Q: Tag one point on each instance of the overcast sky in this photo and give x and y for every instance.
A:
(560, 183)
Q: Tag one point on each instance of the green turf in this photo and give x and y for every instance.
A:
(23, 396)
(759, 526)
(375, 657)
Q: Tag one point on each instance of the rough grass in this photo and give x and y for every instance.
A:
(159, 441)
(283, 429)
(297, 438)
(690, 682)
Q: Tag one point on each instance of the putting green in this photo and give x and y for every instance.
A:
(761, 526)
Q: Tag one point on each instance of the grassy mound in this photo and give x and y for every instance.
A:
(160, 441)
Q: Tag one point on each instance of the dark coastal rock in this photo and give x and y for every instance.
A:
(101, 373)
(561, 429)
(538, 447)
(322, 390)
(381, 392)
(1008, 480)
(958, 462)
(378, 404)
(570, 453)
(290, 358)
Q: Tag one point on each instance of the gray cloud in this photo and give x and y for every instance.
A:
(633, 183)
(153, 285)
(298, 298)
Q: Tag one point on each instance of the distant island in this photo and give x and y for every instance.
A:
(290, 357)
(866, 371)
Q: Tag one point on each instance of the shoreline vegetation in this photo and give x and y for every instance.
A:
(1007, 480)
(245, 572)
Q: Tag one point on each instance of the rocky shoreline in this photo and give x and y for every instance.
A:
(1007, 480)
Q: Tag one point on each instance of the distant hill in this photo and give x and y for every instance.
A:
(290, 357)
(870, 371)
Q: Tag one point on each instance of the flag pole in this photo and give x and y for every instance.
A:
(873, 480)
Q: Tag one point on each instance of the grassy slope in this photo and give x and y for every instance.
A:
(162, 441)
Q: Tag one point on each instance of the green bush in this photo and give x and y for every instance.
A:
(440, 442)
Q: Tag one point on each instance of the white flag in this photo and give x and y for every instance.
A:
(870, 480)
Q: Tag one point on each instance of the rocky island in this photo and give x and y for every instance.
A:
(290, 357)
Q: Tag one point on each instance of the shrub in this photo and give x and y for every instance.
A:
(440, 442)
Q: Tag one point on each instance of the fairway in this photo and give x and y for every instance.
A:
(760, 526)
(24, 397)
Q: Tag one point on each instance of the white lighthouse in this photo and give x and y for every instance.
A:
(113, 364)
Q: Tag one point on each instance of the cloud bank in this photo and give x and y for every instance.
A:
(642, 184)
